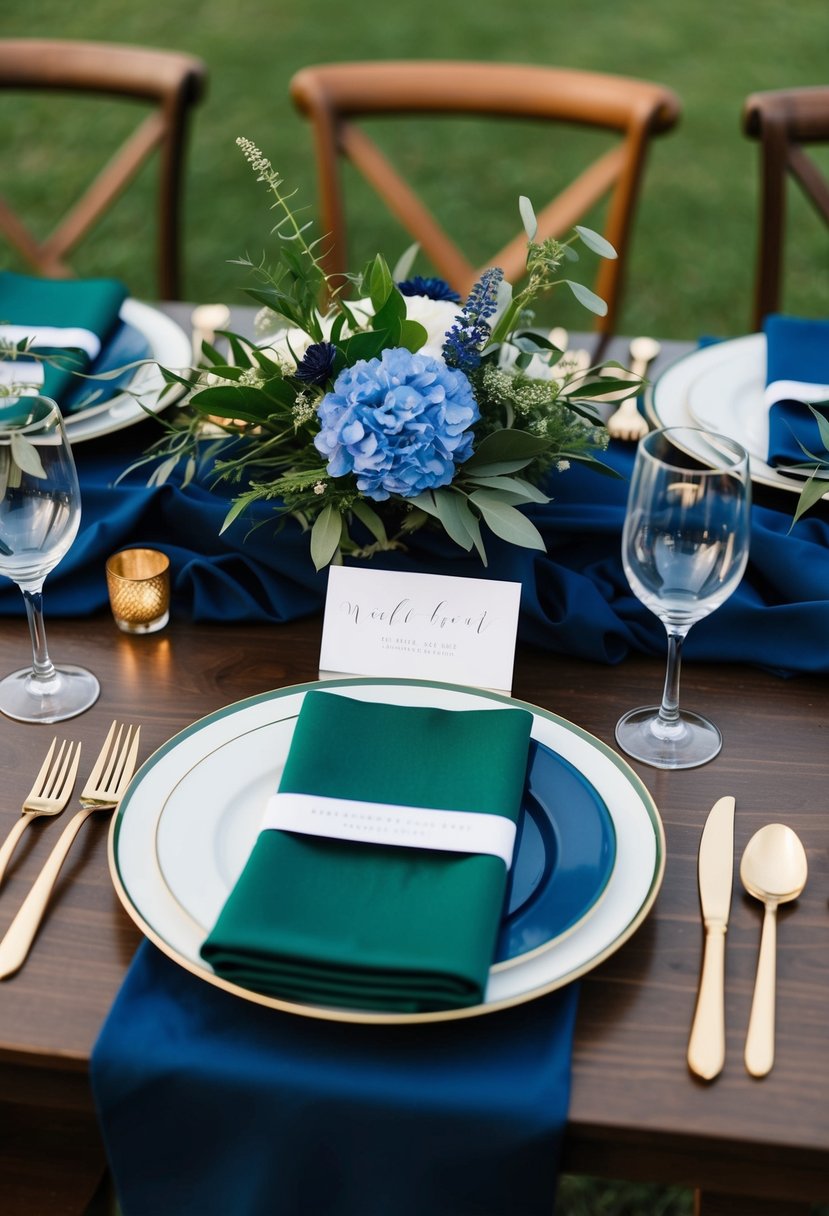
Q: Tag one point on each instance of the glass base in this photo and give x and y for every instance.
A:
(685, 744)
(27, 698)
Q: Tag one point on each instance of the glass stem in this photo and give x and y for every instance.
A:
(42, 666)
(669, 709)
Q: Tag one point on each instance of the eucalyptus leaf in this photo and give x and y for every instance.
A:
(26, 456)
(506, 444)
(370, 519)
(448, 509)
(811, 493)
(325, 536)
(514, 485)
(426, 502)
(403, 267)
(528, 219)
(596, 242)
(505, 521)
(587, 297)
(234, 512)
(470, 521)
(163, 472)
(823, 424)
(496, 467)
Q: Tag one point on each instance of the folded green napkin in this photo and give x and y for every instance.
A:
(336, 922)
(75, 318)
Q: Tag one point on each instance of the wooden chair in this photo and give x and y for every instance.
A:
(171, 83)
(333, 95)
(783, 121)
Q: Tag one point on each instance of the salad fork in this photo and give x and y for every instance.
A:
(104, 789)
(627, 423)
(50, 792)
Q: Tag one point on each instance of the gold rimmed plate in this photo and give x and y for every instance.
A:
(177, 842)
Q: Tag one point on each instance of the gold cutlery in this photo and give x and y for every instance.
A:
(104, 789)
(49, 794)
(626, 422)
(773, 870)
(706, 1045)
(205, 320)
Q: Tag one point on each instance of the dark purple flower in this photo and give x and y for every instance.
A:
(435, 289)
(315, 365)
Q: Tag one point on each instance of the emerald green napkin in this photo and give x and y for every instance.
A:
(370, 926)
(28, 304)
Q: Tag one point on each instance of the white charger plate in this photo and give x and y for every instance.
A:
(169, 345)
(720, 387)
(136, 843)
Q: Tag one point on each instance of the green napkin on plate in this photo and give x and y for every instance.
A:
(376, 926)
(69, 319)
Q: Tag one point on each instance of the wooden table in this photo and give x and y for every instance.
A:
(636, 1112)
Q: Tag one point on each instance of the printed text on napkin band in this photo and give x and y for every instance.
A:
(410, 827)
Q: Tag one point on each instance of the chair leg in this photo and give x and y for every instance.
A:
(712, 1203)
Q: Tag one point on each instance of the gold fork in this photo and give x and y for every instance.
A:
(49, 794)
(104, 789)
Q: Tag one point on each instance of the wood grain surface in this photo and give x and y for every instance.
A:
(636, 1112)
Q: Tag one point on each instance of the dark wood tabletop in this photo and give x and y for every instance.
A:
(636, 1112)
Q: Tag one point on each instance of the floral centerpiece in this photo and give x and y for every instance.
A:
(398, 406)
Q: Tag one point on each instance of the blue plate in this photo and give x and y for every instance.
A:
(564, 856)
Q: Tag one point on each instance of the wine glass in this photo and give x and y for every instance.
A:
(684, 549)
(40, 510)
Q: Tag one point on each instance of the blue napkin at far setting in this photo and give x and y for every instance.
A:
(575, 598)
(797, 375)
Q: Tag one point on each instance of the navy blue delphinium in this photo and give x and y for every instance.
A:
(470, 333)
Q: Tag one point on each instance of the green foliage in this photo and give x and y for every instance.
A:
(262, 398)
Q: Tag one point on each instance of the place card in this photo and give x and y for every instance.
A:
(420, 626)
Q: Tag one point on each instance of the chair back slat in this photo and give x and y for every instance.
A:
(335, 96)
(783, 120)
(170, 82)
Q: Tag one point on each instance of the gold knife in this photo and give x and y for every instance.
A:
(706, 1046)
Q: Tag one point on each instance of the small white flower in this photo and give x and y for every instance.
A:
(563, 466)
(303, 409)
(319, 487)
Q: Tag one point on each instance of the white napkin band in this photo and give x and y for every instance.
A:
(21, 371)
(795, 390)
(58, 336)
(410, 827)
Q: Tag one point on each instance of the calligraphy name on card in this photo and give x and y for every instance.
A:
(420, 626)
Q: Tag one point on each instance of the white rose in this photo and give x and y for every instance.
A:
(436, 316)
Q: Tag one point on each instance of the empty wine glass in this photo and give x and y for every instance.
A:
(40, 510)
(684, 549)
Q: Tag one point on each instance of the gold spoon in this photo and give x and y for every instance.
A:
(773, 870)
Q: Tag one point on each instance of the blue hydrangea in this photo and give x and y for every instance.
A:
(400, 423)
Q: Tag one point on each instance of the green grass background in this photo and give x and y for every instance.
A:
(692, 259)
(691, 269)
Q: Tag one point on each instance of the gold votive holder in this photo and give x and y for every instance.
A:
(138, 581)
